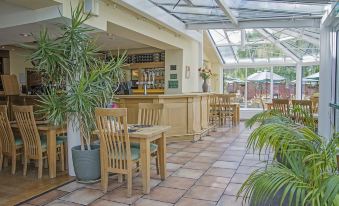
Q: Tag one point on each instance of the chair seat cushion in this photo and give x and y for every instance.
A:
(135, 154)
(153, 147)
(18, 141)
(59, 140)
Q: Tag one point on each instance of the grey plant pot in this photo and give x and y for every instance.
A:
(86, 164)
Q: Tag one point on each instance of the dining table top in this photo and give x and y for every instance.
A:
(42, 126)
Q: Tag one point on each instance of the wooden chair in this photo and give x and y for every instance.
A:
(11, 146)
(150, 114)
(214, 108)
(315, 103)
(281, 105)
(116, 153)
(302, 112)
(225, 108)
(35, 146)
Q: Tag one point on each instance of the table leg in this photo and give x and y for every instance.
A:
(51, 152)
(145, 165)
(162, 156)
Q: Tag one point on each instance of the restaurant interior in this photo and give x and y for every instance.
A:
(167, 102)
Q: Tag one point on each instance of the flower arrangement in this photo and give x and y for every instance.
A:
(205, 73)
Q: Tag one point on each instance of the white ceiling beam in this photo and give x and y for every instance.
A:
(301, 35)
(268, 64)
(227, 11)
(269, 37)
(257, 24)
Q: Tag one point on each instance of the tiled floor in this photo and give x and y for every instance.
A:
(205, 173)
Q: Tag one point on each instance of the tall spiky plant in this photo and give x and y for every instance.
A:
(307, 172)
(76, 78)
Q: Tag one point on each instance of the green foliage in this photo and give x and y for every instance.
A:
(76, 78)
(306, 173)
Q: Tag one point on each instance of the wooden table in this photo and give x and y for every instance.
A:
(144, 136)
(51, 132)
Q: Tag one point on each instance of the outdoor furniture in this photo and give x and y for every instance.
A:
(11, 146)
(302, 111)
(116, 153)
(226, 110)
(36, 146)
(281, 105)
(150, 114)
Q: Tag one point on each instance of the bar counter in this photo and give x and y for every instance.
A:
(187, 114)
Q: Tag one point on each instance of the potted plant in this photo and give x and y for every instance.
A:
(77, 79)
(307, 172)
(205, 74)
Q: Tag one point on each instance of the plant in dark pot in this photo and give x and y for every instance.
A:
(307, 171)
(77, 79)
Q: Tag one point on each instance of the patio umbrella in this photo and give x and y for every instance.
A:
(264, 77)
(314, 76)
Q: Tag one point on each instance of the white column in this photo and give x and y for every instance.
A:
(298, 82)
(327, 66)
(246, 88)
(271, 83)
(73, 139)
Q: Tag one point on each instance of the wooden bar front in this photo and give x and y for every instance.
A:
(187, 114)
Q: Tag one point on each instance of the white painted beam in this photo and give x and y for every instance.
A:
(268, 64)
(227, 11)
(307, 38)
(257, 24)
(269, 37)
(153, 12)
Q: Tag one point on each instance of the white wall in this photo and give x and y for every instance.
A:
(18, 61)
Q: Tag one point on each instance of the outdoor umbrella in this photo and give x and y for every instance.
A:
(314, 76)
(264, 77)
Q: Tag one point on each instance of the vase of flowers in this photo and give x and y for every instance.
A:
(205, 74)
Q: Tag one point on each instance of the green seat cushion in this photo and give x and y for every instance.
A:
(61, 139)
(153, 147)
(18, 141)
(135, 154)
(43, 139)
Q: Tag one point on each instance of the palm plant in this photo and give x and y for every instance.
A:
(307, 174)
(76, 77)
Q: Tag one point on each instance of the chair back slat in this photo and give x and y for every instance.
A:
(302, 110)
(6, 134)
(315, 103)
(114, 139)
(281, 105)
(29, 132)
(150, 114)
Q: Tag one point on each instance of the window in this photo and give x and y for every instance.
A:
(310, 81)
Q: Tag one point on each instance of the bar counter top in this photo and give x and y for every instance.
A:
(187, 114)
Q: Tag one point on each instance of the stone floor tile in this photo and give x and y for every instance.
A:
(102, 202)
(220, 172)
(154, 174)
(172, 166)
(137, 183)
(253, 163)
(213, 181)
(204, 159)
(178, 160)
(188, 173)
(231, 158)
(62, 203)
(70, 187)
(47, 197)
(173, 150)
(227, 200)
(112, 184)
(246, 170)
(178, 182)
(179, 145)
(185, 154)
(215, 149)
(197, 165)
(234, 153)
(210, 154)
(204, 193)
(200, 145)
(193, 149)
(165, 194)
(148, 202)
(120, 195)
(83, 196)
(239, 178)
(224, 164)
(194, 202)
(232, 189)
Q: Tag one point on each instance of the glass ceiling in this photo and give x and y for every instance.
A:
(209, 11)
(267, 45)
(255, 43)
